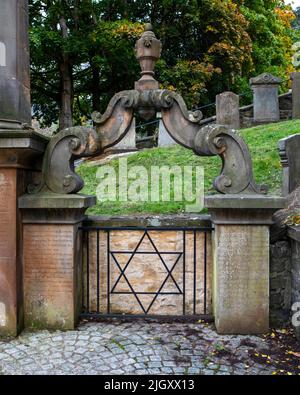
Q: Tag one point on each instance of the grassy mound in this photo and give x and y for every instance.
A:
(262, 142)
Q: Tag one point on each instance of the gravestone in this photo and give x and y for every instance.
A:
(295, 77)
(128, 143)
(289, 148)
(266, 103)
(164, 139)
(14, 65)
(228, 110)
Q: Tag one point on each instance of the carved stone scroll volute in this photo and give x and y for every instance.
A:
(113, 125)
(237, 173)
(58, 174)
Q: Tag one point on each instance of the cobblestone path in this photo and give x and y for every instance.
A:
(135, 347)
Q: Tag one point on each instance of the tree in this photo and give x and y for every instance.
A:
(59, 43)
(82, 51)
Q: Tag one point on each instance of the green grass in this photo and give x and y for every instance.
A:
(262, 142)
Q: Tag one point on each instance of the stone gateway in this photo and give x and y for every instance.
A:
(42, 281)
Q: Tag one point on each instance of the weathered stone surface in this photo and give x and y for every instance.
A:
(8, 248)
(280, 283)
(243, 209)
(247, 116)
(19, 156)
(14, 63)
(52, 258)
(56, 201)
(12, 184)
(295, 77)
(137, 347)
(241, 279)
(146, 272)
(289, 149)
(129, 141)
(50, 279)
(146, 221)
(228, 112)
(164, 139)
(241, 261)
(265, 101)
(294, 233)
(148, 50)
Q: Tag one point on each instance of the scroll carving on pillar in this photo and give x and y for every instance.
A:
(183, 126)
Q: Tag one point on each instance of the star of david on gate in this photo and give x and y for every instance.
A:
(156, 252)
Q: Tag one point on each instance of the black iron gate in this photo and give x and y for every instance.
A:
(98, 266)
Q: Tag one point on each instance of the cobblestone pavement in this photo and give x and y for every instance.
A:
(135, 347)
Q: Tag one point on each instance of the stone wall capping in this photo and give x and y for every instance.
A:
(56, 201)
(22, 139)
(245, 202)
(180, 220)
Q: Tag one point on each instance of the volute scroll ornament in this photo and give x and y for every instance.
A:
(237, 171)
(58, 173)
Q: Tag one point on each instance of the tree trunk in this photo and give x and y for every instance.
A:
(96, 87)
(65, 69)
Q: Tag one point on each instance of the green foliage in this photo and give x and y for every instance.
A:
(208, 46)
(272, 36)
(262, 142)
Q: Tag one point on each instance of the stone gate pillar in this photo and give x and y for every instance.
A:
(265, 101)
(52, 258)
(241, 261)
(21, 151)
(20, 154)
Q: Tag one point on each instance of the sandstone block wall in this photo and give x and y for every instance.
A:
(146, 272)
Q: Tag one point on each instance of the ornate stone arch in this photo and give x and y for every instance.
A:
(147, 99)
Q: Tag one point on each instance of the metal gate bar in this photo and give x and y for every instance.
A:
(111, 258)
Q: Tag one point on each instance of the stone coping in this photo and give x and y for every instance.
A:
(294, 233)
(56, 201)
(144, 221)
(22, 139)
(245, 202)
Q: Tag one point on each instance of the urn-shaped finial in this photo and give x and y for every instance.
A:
(148, 51)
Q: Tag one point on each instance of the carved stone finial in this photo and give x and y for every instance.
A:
(148, 51)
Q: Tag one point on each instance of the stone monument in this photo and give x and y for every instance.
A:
(290, 160)
(266, 103)
(41, 217)
(228, 110)
(15, 107)
(295, 77)
(164, 139)
(128, 143)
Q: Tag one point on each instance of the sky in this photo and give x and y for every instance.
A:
(295, 3)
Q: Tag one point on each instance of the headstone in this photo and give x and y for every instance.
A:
(164, 139)
(289, 149)
(128, 143)
(295, 77)
(15, 106)
(266, 103)
(228, 110)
